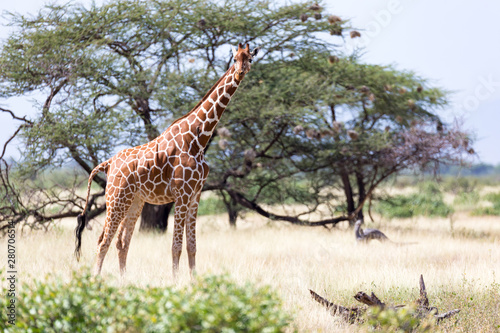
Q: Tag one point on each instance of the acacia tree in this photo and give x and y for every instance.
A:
(329, 137)
(112, 75)
(305, 122)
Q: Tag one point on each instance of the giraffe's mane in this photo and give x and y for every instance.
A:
(204, 97)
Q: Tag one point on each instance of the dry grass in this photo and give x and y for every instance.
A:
(462, 257)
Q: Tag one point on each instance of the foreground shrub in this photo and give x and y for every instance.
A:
(87, 304)
(400, 320)
(427, 201)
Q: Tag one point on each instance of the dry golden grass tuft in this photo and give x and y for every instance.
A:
(460, 261)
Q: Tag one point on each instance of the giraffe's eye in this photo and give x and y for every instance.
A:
(234, 59)
(250, 60)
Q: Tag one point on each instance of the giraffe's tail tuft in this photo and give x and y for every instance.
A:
(82, 221)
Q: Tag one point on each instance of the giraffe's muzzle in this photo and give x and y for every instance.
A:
(239, 75)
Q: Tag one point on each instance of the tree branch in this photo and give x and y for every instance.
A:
(291, 219)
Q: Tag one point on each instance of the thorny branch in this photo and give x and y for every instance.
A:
(38, 206)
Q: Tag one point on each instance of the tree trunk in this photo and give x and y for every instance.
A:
(361, 191)
(346, 183)
(232, 209)
(155, 217)
(344, 175)
(233, 216)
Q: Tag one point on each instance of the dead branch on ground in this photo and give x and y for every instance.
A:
(353, 314)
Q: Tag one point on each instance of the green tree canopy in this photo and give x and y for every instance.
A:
(306, 120)
(335, 130)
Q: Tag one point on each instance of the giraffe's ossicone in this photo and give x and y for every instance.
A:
(171, 168)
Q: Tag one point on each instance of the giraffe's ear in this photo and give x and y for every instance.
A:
(255, 51)
(234, 51)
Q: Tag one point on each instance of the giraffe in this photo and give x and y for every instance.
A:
(170, 168)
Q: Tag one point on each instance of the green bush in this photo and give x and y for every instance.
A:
(493, 198)
(481, 211)
(457, 185)
(212, 205)
(400, 320)
(427, 201)
(87, 304)
(466, 199)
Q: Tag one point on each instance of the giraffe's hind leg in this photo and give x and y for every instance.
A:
(116, 211)
(125, 231)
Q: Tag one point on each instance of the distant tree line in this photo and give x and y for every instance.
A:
(478, 170)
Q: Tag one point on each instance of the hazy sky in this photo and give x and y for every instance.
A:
(453, 43)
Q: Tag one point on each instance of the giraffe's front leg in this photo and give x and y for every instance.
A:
(181, 211)
(191, 233)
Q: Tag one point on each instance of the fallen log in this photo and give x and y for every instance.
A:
(354, 314)
(423, 308)
(446, 315)
(371, 300)
(348, 314)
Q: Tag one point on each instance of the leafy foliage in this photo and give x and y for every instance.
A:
(87, 304)
(333, 125)
(494, 209)
(400, 320)
(113, 75)
(457, 185)
(467, 199)
(211, 206)
(427, 201)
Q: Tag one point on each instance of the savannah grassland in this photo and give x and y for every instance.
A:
(459, 258)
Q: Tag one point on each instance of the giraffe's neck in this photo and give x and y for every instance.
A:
(199, 124)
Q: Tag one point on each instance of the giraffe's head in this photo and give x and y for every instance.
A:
(243, 58)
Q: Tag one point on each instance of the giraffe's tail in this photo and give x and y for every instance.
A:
(82, 218)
